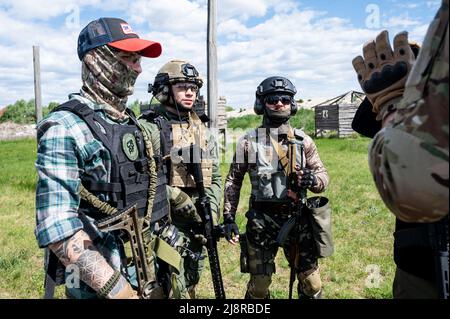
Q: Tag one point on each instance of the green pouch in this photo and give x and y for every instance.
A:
(320, 216)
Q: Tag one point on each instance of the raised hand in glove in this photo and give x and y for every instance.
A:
(182, 207)
(382, 72)
(231, 229)
(306, 178)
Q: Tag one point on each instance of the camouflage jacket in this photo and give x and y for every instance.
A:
(409, 158)
(239, 168)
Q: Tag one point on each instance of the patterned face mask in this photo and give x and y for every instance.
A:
(107, 77)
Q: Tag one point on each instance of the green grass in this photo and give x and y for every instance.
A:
(362, 228)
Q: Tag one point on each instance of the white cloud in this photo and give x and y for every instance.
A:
(434, 4)
(409, 5)
(398, 21)
(242, 10)
(257, 39)
(176, 16)
(43, 10)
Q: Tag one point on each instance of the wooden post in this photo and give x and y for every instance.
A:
(37, 83)
(212, 64)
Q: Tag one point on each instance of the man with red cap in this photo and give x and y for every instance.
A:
(92, 153)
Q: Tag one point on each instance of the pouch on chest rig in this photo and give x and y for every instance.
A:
(176, 139)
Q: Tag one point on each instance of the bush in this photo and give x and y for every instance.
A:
(303, 119)
(23, 112)
(245, 122)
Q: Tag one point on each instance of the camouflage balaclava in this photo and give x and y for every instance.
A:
(108, 80)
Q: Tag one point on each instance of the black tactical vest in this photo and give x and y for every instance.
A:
(129, 181)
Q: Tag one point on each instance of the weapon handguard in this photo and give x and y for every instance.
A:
(212, 233)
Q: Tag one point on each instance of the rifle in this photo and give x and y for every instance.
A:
(292, 225)
(212, 233)
(129, 221)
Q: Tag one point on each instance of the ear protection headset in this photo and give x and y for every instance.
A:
(274, 84)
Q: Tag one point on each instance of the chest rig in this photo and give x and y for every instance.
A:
(176, 137)
(268, 176)
(129, 177)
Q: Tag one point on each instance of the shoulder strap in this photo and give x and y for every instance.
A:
(87, 115)
(75, 107)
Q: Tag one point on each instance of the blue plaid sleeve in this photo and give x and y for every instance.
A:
(57, 198)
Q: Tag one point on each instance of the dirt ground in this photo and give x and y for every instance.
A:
(12, 131)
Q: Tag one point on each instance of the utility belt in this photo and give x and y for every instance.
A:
(412, 237)
(317, 211)
(422, 250)
(427, 235)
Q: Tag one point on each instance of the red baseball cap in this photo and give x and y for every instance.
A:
(116, 33)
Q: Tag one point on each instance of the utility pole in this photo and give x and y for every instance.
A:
(37, 83)
(212, 64)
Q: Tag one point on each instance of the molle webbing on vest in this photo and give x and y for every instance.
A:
(269, 176)
(133, 173)
(172, 132)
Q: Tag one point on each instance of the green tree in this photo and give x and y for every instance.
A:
(21, 112)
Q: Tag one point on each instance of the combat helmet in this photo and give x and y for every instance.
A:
(274, 84)
(172, 72)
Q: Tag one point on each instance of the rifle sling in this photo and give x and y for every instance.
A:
(167, 253)
(282, 154)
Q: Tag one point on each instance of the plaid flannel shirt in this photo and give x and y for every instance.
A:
(67, 149)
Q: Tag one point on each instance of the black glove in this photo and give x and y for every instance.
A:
(307, 179)
(231, 229)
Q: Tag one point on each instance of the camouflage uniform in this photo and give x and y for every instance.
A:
(409, 162)
(265, 221)
(194, 252)
(418, 140)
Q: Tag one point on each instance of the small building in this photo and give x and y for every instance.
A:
(337, 114)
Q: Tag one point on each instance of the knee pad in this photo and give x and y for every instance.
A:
(310, 283)
(258, 286)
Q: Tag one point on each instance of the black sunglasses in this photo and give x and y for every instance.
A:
(274, 99)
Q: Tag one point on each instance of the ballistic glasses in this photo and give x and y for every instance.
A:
(275, 98)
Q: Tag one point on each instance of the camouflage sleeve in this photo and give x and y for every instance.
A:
(314, 163)
(153, 131)
(233, 182)
(214, 192)
(409, 157)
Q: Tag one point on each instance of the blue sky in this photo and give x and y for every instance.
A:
(310, 42)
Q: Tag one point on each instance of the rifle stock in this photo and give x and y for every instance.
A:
(129, 221)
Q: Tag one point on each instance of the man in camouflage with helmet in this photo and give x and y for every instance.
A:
(269, 204)
(94, 159)
(407, 107)
(175, 126)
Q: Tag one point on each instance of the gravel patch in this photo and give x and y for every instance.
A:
(13, 131)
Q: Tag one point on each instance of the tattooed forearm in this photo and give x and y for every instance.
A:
(118, 288)
(79, 250)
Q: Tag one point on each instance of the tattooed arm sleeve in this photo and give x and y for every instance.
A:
(94, 270)
(314, 163)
